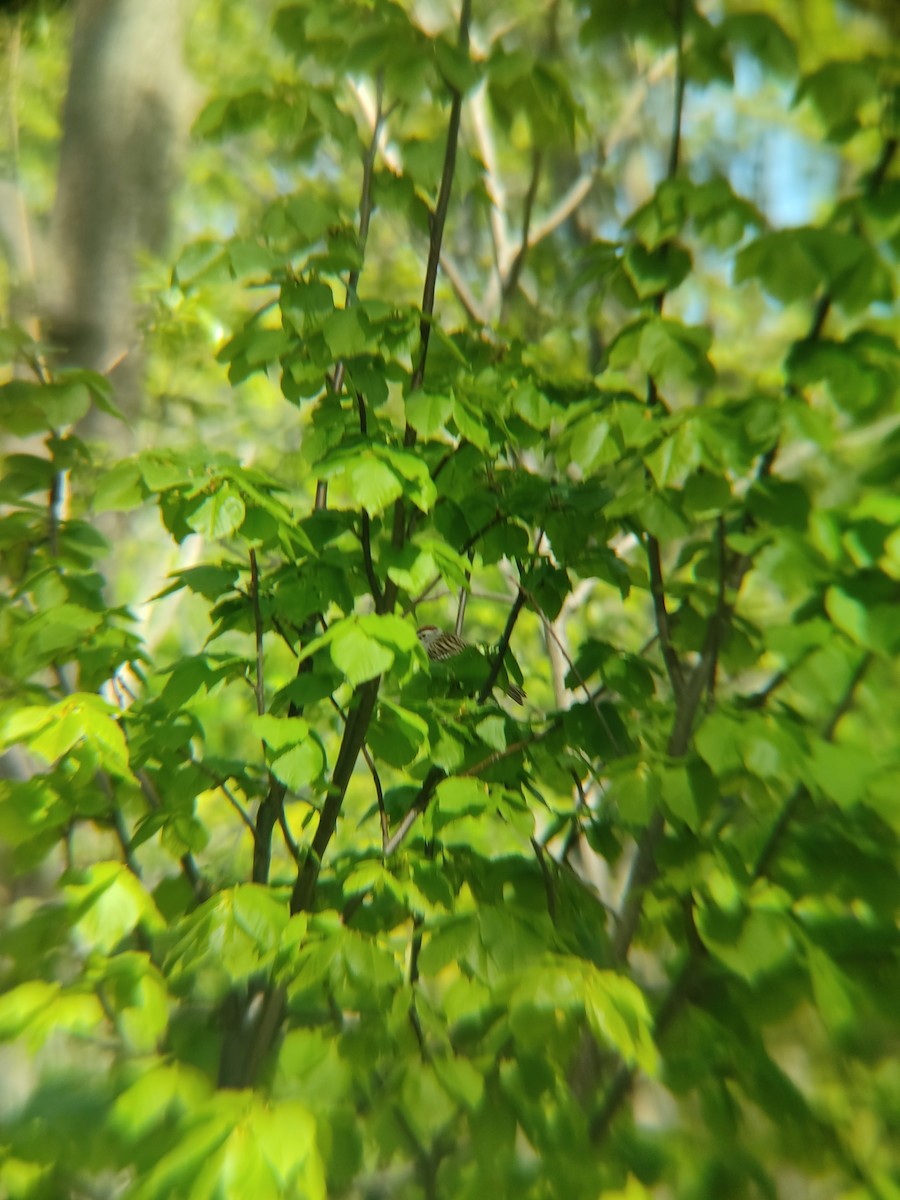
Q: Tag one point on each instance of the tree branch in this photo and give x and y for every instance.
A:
(787, 813)
(419, 804)
(511, 282)
(681, 987)
(517, 606)
(358, 721)
(663, 627)
(260, 688)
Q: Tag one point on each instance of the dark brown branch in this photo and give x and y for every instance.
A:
(680, 80)
(266, 816)
(440, 209)
(379, 794)
(680, 989)
(366, 542)
(303, 894)
(354, 735)
(663, 627)
(517, 606)
(272, 804)
(547, 877)
(260, 688)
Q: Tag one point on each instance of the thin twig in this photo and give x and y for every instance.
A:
(685, 980)
(680, 81)
(515, 271)
(517, 606)
(720, 619)
(467, 545)
(260, 688)
(592, 697)
(379, 794)
(772, 842)
(293, 848)
(564, 209)
(440, 210)
(419, 804)
(663, 627)
(462, 290)
(548, 878)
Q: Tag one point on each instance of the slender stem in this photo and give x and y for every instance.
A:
(260, 688)
(440, 211)
(517, 606)
(419, 804)
(365, 214)
(684, 982)
(678, 106)
(379, 795)
(351, 743)
(547, 877)
(515, 271)
(794, 800)
(400, 532)
(293, 848)
(663, 626)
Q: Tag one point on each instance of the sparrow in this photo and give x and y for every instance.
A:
(440, 645)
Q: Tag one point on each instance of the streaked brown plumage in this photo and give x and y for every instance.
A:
(440, 646)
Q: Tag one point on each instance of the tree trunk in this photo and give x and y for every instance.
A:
(123, 123)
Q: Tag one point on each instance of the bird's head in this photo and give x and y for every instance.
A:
(427, 633)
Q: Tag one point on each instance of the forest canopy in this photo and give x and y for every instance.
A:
(571, 330)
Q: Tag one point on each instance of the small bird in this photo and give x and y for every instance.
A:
(440, 646)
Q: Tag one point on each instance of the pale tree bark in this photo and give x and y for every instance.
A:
(124, 119)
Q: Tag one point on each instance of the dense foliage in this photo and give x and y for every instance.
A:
(516, 337)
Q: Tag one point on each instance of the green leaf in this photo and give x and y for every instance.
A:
(359, 655)
(108, 903)
(793, 264)
(666, 349)
(234, 1142)
(280, 733)
(868, 622)
(458, 796)
(618, 1015)
(347, 332)
(233, 935)
(136, 991)
(219, 515)
(57, 729)
(615, 1008)
(300, 766)
(36, 1009)
(163, 1091)
(27, 408)
(534, 407)
(841, 92)
(119, 489)
(653, 272)
(843, 772)
(833, 992)
(428, 412)
(461, 1080)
